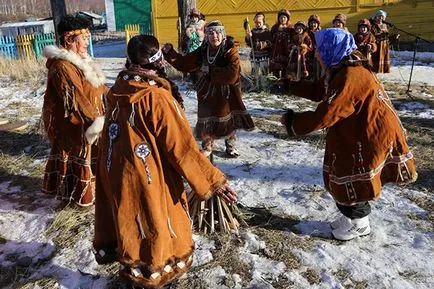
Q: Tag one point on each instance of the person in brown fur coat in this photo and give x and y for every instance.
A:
(314, 67)
(73, 114)
(146, 149)
(365, 41)
(381, 57)
(221, 110)
(281, 33)
(340, 21)
(300, 45)
(366, 144)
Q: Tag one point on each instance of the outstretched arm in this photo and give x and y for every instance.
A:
(339, 104)
(185, 63)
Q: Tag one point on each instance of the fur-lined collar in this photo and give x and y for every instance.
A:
(91, 70)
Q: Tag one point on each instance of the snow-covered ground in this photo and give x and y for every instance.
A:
(283, 175)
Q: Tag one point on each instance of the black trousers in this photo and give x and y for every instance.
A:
(357, 211)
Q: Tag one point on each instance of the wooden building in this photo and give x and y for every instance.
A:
(23, 28)
(160, 16)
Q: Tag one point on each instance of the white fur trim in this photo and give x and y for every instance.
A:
(91, 70)
(94, 130)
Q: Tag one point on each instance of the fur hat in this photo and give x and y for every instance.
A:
(300, 23)
(284, 12)
(365, 22)
(194, 12)
(314, 18)
(380, 13)
(341, 18)
(71, 22)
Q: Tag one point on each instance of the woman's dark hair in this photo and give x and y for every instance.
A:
(141, 48)
(71, 22)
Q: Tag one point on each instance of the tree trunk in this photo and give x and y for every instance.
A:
(184, 7)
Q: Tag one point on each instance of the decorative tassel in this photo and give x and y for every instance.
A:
(139, 224)
(132, 114)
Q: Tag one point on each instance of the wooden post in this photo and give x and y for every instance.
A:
(58, 10)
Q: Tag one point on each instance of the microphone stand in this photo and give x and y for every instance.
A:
(417, 38)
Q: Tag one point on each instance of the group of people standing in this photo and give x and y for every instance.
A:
(288, 50)
(128, 148)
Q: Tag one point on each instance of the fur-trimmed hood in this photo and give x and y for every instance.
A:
(91, 70)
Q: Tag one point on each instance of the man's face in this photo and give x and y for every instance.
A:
(283, 19)
(259, 21)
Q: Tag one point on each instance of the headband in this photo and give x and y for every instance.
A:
(155, 57)
(220, 29)
(76, 32)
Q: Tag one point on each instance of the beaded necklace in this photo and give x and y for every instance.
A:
(212, 59)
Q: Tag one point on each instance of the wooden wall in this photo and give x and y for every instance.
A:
(416, 17)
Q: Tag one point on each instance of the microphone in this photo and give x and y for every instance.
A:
(388, 23)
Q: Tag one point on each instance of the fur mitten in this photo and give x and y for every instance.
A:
(94, 130)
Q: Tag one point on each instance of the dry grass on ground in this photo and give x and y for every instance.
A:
(70, 225)
(25, 167)
(227, 256)
(32, 72)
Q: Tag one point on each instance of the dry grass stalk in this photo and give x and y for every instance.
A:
(44, 283)
(246, 66)
(29, 71)
(70, 225)
(211, 215)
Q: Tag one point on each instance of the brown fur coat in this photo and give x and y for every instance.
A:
(72, 102)
(141, 207)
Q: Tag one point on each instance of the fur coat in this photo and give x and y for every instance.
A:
(366, 144)
(146, 149)
(221, 110)
(381, 57)
(73, 102)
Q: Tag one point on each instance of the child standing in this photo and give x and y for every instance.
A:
(300, 45)
(365, 41)
(195, 30)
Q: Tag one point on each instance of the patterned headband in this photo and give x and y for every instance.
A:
(155, 57)
(84, 31)
(220, 29)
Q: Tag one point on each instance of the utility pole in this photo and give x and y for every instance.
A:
(58, 11)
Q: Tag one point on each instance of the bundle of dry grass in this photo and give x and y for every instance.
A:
(29, 71)
(213, 215)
